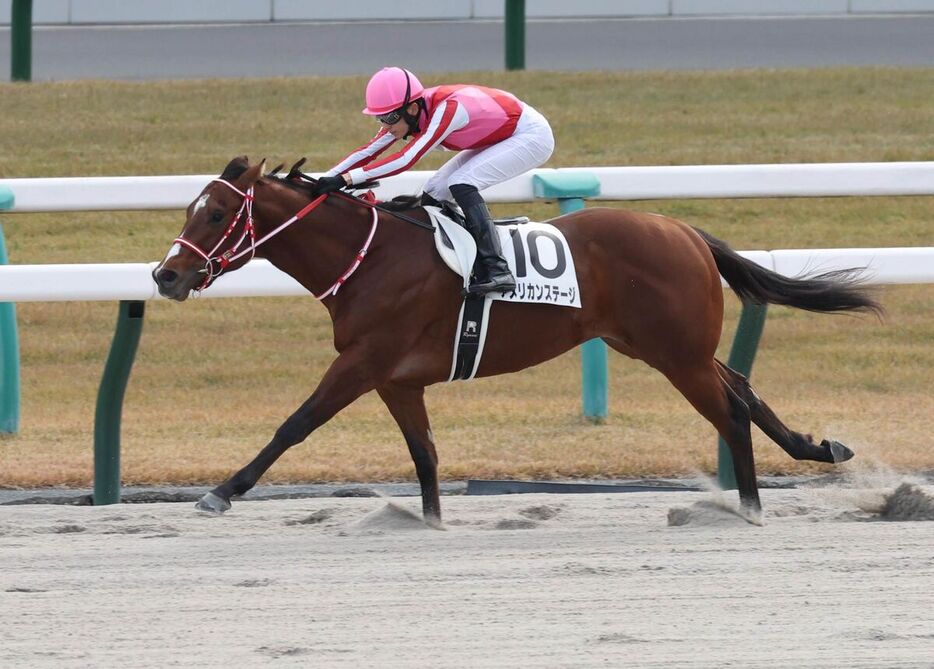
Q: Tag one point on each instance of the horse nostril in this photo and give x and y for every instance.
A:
(165, 277)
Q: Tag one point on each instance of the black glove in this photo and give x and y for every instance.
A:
(330, 184)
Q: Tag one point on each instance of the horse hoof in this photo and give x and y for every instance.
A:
(838, 451)
(212, 503)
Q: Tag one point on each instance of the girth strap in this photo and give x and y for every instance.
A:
(470, 337)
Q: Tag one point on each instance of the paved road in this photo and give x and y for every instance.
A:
(265, 50)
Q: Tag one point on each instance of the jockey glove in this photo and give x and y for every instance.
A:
(330, 184)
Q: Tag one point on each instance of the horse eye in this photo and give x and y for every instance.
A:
(217, 216)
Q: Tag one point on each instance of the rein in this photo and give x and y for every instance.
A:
(249, 229)
(367, 203)
(373, 205)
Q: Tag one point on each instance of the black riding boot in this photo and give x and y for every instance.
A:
(489, 251)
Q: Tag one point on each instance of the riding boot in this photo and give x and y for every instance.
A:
(489, 251)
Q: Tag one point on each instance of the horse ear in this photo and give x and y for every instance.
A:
(252, 175)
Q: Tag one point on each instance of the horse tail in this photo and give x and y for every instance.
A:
(837, 290)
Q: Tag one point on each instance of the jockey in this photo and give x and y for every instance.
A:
(498, 136)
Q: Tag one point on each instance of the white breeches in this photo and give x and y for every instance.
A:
(530, 145)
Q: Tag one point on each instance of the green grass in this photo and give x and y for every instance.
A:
(213, 379)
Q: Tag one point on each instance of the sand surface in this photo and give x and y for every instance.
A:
(514, 581)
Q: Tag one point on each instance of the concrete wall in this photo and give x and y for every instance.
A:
(196, 11)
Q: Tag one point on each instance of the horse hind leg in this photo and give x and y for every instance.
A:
(798, 446)
(407, 406)
(716, 401)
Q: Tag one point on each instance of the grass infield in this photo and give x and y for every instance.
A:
(213, 379)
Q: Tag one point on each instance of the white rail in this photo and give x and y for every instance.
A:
(133, 281)
(616, 183)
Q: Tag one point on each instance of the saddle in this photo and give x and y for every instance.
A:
(454, 212)
(455, 244)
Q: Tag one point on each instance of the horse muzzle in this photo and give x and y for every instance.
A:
(173, 285)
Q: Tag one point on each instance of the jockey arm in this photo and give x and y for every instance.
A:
(447, 118)
(364, 154)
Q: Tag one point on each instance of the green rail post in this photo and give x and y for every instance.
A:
(21, 41)
(9, 343)
(570, 189)
(515, 34)
(110, 402)
(742, 353)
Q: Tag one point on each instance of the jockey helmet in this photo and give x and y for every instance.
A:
(390, 89)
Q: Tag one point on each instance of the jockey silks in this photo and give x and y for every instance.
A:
(456, 117)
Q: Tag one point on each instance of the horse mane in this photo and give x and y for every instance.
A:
(306, 187)
(301, 182)
(402, 203)
(295, 179)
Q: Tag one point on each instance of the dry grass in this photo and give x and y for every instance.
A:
(213, 379)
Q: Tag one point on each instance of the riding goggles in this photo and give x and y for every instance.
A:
(391, 118)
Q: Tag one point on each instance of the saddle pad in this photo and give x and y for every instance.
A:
(537, 253)
(455, 245)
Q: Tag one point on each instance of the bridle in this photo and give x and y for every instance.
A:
(223, 260)
(228, 256)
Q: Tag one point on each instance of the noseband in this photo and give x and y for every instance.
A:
(249, 230)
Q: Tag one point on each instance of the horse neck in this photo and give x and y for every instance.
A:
(319, 247)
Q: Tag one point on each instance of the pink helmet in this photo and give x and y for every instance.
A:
(391, 88)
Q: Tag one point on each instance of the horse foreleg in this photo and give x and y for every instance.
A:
(342, 384)
(407, 406)
(797, 445)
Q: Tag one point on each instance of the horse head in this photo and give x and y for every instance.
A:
(218, 235)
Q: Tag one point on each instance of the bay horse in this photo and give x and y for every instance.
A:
(649, 287)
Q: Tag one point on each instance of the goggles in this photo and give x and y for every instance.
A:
(394, 117)
(391, 118)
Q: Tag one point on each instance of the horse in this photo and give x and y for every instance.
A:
(649, 287)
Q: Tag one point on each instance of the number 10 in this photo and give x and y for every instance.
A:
(519, 246)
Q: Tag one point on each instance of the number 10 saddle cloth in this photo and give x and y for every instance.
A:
(540, 260)
(537, 253)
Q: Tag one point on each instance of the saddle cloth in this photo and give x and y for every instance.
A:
(537, 253)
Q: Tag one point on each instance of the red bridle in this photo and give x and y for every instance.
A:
(249, 230)
(230, 254)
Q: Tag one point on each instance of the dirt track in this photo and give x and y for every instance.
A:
(523, 580)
